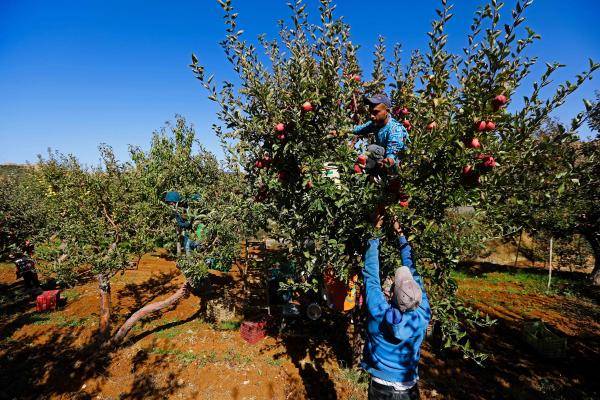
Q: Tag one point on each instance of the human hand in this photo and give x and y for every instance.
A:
(397, 227)
(377, 216)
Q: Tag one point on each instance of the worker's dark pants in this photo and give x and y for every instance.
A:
(377, 391)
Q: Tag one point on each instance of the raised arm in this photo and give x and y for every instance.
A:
(407, 260)
(376, 303)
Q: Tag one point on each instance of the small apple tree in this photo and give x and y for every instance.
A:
(288, 124)
(98, 218)
(213, 204)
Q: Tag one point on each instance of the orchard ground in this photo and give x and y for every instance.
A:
(180, 354)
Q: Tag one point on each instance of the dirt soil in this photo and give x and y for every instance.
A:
(181, 354)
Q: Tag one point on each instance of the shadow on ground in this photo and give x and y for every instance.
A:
(40, 359)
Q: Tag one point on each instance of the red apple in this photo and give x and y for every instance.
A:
(356, 78)
(403, 199)
(480, 126)
(490, 126)
(470, 177)
(357, 169)
(407, 124)
(489, 162)
(405, 111)
(499, 101)
(280, 127)
(258, 164)
(389, 161)
(362, 160)
(473, 143)
(431, 126)
(306, 106)
(281, 136)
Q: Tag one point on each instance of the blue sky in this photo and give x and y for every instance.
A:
(74, 74)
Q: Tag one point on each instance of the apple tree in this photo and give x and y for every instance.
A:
(212, 203)
(289, 124)
(99, 221)
(22, 209)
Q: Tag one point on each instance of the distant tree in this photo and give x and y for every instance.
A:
(22, 208)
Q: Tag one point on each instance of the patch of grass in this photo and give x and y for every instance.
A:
(187, 357)
(4, 265)
(170, 333)
(207, 358)
(72, 322)
(183, 357)
(461, 275)
(39, 319)
(6, 342)
(57, 320)
(356, 377)
(529, 282)
(231, 357)
(151, 324)
(70, 295)
(19, 295)
(275, 362)
(234, 358)
(228, 325)
(164, 352)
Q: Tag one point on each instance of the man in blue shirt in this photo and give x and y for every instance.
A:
(389, 133)
(395, 330)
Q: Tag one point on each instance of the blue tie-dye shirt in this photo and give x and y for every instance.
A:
(393, 136)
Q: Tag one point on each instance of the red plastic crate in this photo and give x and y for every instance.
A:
(47, 300)
(253, 332)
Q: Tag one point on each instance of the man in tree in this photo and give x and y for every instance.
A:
(395, 330)
(184, 225)
(389, 133)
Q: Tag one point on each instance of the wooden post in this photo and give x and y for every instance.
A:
(518, 248)
(532, 250)
(550, 265)
(579, 257)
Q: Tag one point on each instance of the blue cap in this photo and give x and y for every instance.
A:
(380, 98)
(172, 197)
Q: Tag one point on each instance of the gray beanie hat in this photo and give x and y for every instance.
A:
(407, 292)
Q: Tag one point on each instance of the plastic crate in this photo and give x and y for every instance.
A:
(253, 332)
(48, 300)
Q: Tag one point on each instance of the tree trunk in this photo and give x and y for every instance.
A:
(149, 309)
(594, 239)
(104, 286)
